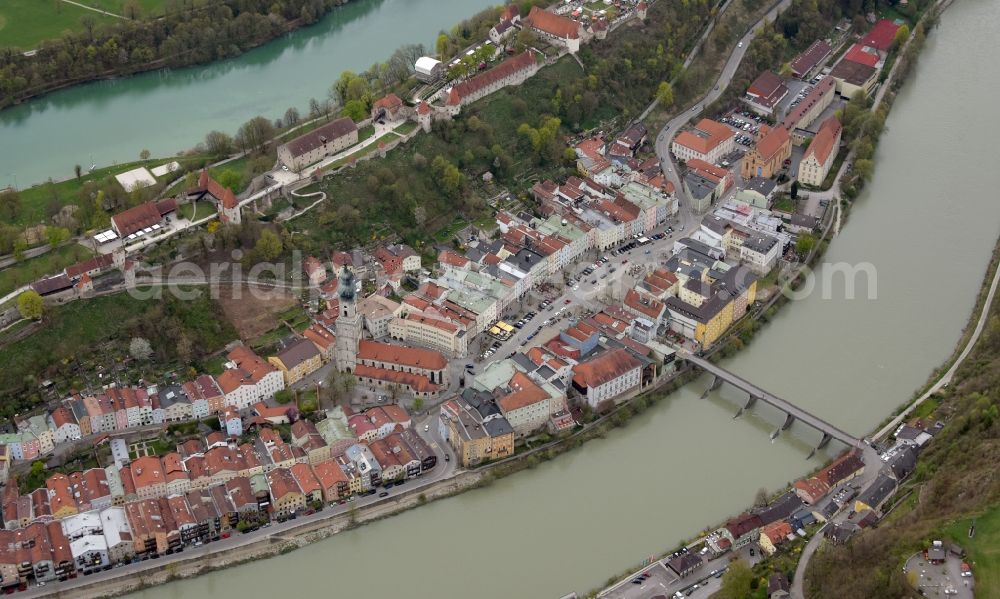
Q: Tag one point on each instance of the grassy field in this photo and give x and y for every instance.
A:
(197, 210)
(84, 337)
(983, 550)
(25, 23)
(369, 149)
(148, 8)
(50, 262)
(35, 200)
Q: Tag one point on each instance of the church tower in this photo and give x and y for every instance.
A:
(348, 323)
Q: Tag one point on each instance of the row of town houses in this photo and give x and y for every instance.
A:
(818, 498)
(156, 505)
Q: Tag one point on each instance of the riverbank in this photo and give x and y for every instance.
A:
(65, 62)
(257, 547)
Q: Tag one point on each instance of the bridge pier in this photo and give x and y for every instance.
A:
(822, 443)
(789, 419)
(716, 383)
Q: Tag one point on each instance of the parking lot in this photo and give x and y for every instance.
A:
(658, 580)
(607, 276)
(939, 580)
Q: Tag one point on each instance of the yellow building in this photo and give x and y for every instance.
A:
(766, 158)
(297, 360)
(713, 306)
(477, 437)
(286, 496)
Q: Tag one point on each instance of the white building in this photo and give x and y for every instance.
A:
(821, 153)
(608, 376)
(760, 252)
(708, 141)
(248, 379)
(428, 70)
(319, 143)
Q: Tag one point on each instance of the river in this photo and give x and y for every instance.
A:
(111, 122)
(928, 224)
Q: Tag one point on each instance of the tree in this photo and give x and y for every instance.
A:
(218, 143)
(449, 178)
(864, 169)
(185, 348)
(283, 397)
(254, 134)
(56, 235)
(131, 10)
(795, 189)
(902, 34)
(292, 117)
(78, 170)
(665, 94)
(268, 246)
(805, 243)
(760, 498)
(140, 349)
(30, 305)
(355, 110)
(442, 45)
(736, 581)
(10, 205)
(418, 404)
(144, 154)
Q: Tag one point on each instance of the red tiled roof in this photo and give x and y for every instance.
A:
(437, 323)
(341, 259)
(823, 143)
(320, 336)
(142, 216)
(423, 108)
(522, 61)
(553, 24)
(777, 531)
(824, 87)
(862, 55)
(417, 382)
(281, 482)
(61, 416)
(390, 102)
(813, 487)
(606, 367)
(882, 35)
(812, 56)
(452, 258)
(714, 134)
(524, 392)
(307, 480)
(99, 262)
(772, 141)
(414, 357)
(743, 524)
(317, 137)
(250, 369)
(329, 474)
(223, 195)
(707, 170)
(643, 304)
(147, 471)
(768, 88)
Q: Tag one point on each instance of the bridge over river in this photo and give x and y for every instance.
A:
(792, 411)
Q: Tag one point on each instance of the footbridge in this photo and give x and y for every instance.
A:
(792, 411)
